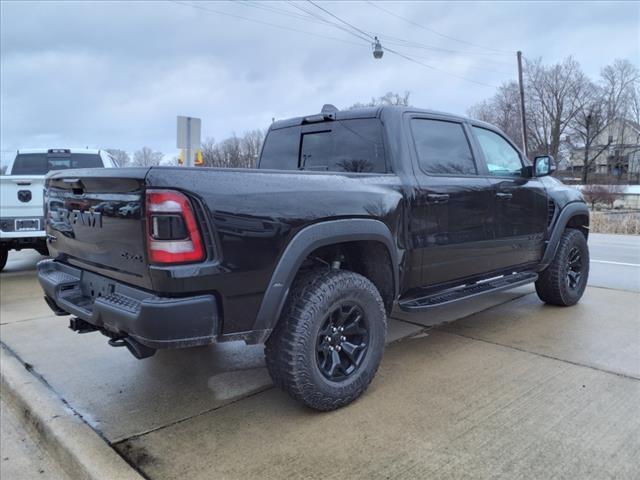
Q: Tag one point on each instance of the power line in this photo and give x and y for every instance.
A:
(400, 54)
(328, 22)
(317, 19)
(410, 44)
(472, 66)
(414, 56)
(273, 9)
(437, 69)
(283, 27)
(339, 19)
(407, 57)
(436, 32)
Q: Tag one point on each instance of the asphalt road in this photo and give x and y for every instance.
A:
(509, 388)
(615, 261)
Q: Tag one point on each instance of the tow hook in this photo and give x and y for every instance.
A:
(137, 349)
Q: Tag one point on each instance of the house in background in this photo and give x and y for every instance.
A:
(620, 159)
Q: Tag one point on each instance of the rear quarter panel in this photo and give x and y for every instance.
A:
(254, 214)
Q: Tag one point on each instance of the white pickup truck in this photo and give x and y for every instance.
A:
(21, 194)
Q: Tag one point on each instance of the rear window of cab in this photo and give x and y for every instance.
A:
(43, 163)
(338, 146)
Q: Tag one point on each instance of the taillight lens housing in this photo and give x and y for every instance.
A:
(172, 231)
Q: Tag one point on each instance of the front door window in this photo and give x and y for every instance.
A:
(501, 158)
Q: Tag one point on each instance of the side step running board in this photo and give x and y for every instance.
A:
(419, 303)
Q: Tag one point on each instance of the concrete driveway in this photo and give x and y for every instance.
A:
(512, 388)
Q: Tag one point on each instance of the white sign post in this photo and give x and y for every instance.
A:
(189, 137)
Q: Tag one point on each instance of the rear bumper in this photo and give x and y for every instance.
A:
(121, 310)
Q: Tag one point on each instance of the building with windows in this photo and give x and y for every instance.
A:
(620, 157)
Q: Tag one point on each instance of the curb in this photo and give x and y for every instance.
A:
(79, 449)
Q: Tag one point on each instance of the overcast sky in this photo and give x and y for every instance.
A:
(116, 74)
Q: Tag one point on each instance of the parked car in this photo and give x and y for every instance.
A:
(348, 215)
(21, 205)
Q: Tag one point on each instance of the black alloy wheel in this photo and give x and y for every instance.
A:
(328, 344)
(574, 268)
(342, 342)
(564, 281)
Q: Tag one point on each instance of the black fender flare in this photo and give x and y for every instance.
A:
(306, 241)
(566, 214)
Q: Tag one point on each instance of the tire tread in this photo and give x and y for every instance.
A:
(284, 350)
(550, 285)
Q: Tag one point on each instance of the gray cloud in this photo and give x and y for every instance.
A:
(115, 74)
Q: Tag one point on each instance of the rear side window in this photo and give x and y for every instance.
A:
(338, 146)
(42, 163)
(442, 147)
(280, 151)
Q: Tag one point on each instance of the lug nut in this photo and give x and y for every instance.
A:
(338, 348)
(342, 339)
(327, 338)
(331, 347)
(341, 329)
(334, 329)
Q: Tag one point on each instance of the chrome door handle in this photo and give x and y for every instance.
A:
(437, 198)
(504, 196)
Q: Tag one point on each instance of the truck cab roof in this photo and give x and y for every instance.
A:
(367, 112)
(93, 151)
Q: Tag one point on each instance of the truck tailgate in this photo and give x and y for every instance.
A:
(21, 196)
(96, 222)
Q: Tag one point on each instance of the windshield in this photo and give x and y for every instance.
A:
(42, 163)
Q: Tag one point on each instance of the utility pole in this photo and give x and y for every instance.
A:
(587, 144)
(522, 111)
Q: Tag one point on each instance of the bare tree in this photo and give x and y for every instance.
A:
(251, 145)
(210, 153)
(389, 98)
(233, 152)
(356, 165)
(634, 104)
(502, 110)
(604, 103)
(620, 82)
(146, 157)
(554, 97)
(612, 192)
(594, 194)
(121, 157)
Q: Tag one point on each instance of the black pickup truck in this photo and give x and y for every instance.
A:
(348, 215)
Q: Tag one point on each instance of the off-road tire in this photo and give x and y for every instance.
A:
(553, 286)
(4, 254)
(291, 353)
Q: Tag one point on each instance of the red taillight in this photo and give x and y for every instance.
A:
(172, 231)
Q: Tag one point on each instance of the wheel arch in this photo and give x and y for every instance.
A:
(573, 215)
(309, 240)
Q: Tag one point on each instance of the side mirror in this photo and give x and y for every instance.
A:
(543, 165)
